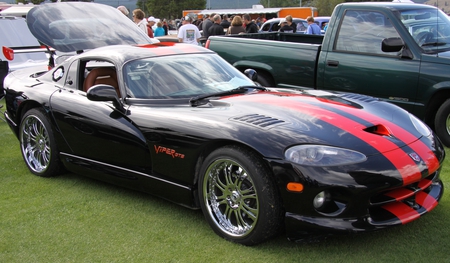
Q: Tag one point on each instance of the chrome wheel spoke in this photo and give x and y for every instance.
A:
(231, 198)
(35, 144)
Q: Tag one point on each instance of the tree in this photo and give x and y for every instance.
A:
(326, 7)
(170, 9)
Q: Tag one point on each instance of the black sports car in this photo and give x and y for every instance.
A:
(177, 121)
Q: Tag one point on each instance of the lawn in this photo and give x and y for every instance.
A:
(71, 218)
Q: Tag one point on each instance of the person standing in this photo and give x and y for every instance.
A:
(207, 23)
(139, 19)
(313, 28)
(236, 26)
(291, 23)
(225, 22)
(284, 26)
(151, 22)
(216, 29)
(250, 26)
(159, 31)
(189, 33)
(124, 10)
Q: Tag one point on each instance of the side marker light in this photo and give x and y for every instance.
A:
(295, 187)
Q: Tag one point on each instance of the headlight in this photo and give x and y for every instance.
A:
(320, 155)
(420, 126)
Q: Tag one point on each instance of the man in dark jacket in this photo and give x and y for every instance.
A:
(216, 29)
(250, 26)
(207, 23)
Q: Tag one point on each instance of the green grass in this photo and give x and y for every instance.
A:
(71, 218)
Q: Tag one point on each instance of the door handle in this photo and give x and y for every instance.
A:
(332, 63)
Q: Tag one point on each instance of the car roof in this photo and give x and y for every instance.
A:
(119, 54)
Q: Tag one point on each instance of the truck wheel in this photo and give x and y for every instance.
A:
(264, 80)
(442, 123)
(238, 198)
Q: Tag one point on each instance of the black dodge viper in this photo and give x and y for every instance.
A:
(177, 121)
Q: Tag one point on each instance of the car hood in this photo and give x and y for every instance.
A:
(77, 26)
(345, 120)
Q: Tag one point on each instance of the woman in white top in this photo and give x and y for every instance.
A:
(139, 19)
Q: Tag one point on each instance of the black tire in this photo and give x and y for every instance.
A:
(442, 123)
(37, 144)
(264, 80)
(238, 197)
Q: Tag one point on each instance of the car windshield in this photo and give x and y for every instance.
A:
(430, 28)
(185, 76)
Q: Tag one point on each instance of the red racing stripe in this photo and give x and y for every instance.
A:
(400, 194)
(426, 201)
(425, 153)
(402, 211)
(407, 168)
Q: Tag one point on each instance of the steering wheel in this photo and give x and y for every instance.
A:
(424, 37)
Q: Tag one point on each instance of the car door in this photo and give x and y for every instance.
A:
(357, 64)
(96, 131)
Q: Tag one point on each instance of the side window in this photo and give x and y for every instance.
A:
(266, 27)
(363, 32)
(275, 27)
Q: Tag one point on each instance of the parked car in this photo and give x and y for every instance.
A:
(175, 120)
(272, 25)
(321, 21)
(16, 35)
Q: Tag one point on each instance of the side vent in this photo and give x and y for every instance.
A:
(258, 120)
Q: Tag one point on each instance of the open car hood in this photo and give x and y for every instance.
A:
(76, 26)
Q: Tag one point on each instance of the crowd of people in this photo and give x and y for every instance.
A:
(193, 31)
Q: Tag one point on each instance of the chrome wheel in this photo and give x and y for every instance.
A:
(38, 145)
(35, 144)
(231, 198)
(238, 196)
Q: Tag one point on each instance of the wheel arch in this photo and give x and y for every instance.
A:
(22, 109)
(262, 69)
(433, 105)
(208, 149)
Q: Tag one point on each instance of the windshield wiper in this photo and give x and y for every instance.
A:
(434, 44)
(196, 101)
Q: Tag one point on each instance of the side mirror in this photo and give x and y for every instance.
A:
(103, 92)
(251, 74)
(396, 44)
(393, 44)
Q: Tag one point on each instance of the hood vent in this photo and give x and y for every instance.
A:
(258, 120)
(359, 97)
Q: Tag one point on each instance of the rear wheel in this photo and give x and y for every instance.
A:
(237, 196)
(38, 145)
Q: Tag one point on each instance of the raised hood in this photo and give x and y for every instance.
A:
(76, 26)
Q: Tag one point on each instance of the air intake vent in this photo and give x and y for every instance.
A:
(359, 97)
(258, 120)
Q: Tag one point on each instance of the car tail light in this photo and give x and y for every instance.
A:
(8, 53)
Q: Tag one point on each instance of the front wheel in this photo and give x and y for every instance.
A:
(38, 145)
(238, 197)
(442, 123)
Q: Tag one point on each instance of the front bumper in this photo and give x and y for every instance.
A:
(391, 208)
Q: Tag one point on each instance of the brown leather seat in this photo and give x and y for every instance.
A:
(97, 76)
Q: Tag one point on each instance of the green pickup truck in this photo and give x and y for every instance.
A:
(397, 52)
